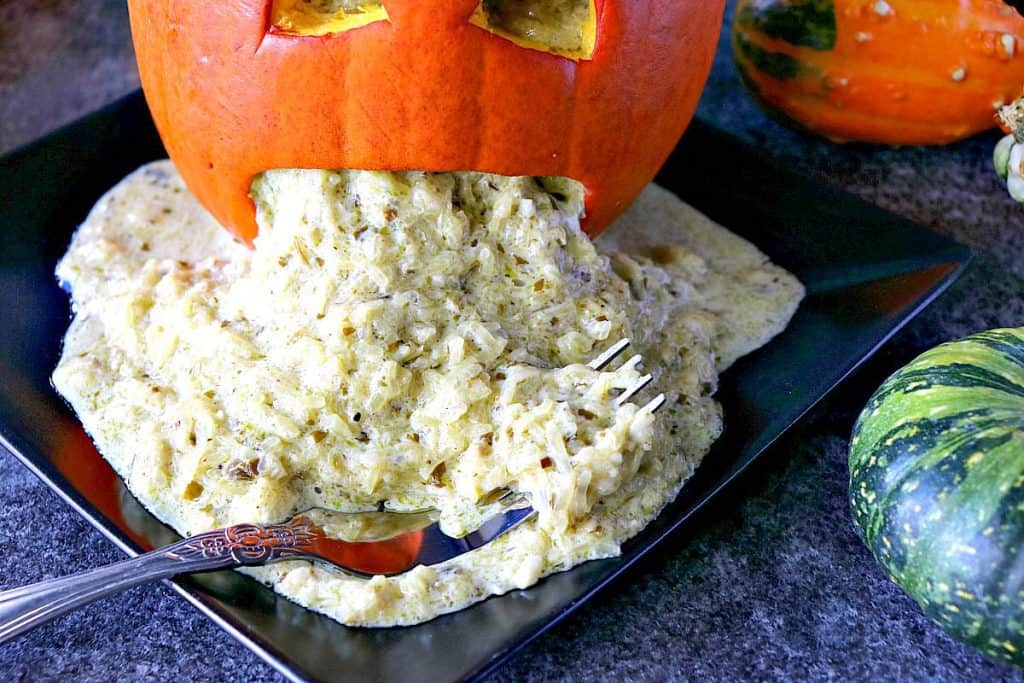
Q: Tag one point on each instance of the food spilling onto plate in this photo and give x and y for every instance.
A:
(330, 302)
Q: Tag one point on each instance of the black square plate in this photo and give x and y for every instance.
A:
(867, 272)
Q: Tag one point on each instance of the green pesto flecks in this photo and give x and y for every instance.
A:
(937, 486)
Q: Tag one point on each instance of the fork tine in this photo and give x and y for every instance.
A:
(504, 497)
(630, 392)
(609, 355)
(654, 404)
(632, 362)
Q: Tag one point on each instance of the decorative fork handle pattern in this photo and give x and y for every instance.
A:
(246, 544)
(236, 546)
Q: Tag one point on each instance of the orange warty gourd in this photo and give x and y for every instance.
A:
(237, 87)
(899, 72)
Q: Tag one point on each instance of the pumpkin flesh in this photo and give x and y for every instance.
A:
(320, 17)
(562, 27)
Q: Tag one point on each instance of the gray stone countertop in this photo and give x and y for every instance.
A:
(770, 583)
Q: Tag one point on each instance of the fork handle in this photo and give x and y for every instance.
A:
(25, 608)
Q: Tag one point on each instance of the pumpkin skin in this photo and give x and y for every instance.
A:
(425, 90)
(937, 486)
(900, 72)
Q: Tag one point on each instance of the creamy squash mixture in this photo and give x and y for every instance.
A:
(406, 340)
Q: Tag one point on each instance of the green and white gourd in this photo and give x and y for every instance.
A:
(937, 486)
(1008, 157)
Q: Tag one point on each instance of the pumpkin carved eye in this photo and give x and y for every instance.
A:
(320, 17)
(562, 27)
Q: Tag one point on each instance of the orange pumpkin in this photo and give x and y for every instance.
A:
(237, 87)
(889, 71)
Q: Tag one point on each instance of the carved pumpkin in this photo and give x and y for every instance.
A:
(595, 90)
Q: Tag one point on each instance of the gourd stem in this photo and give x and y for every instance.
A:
(1012, 117)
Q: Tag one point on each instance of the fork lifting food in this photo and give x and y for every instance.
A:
(394, 543)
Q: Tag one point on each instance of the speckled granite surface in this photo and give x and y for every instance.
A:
(770, 583)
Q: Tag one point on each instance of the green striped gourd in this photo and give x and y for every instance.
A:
(937, 486)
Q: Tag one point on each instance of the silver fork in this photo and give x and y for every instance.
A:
(402, 541)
